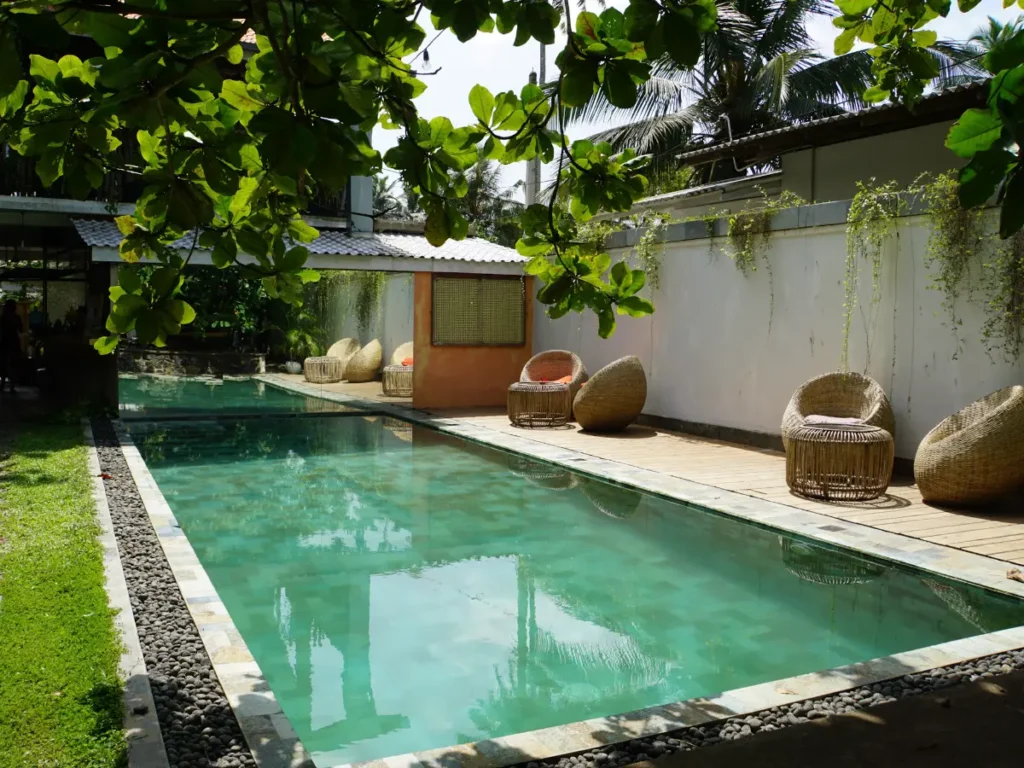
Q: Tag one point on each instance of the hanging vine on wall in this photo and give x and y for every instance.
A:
(957, 237)
(1003, 283)
(870, 221)
(369, 299)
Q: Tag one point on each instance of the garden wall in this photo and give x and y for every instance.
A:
(390, 318)
(717, 353)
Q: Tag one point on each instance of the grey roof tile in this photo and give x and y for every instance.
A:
(103, 233)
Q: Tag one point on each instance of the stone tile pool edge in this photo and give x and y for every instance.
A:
(270, 736)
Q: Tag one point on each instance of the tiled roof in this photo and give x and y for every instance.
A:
(470, 249)
(103, 233)
(872, 120)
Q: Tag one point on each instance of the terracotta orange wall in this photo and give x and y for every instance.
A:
(462, 377)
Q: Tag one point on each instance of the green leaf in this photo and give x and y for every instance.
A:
(237, 94)
(1011, 214)
(147, 327)
(129, 279)
(301, 231)
(532, 246)
(294, 259)
(634, 306)
(966, 5)
(125, 224)
(844, 41)
(43, 68)
(855, 7)
(925, 38)
(621, 275)
(235, 54)
(435, 229)
(682, 40)
(975, 131)
(309, 276)
(982, 175)
(482, 103)
(105, 345)
(1006, 55)
(640, 20)
(10, 63)
(181, 311)
(875, 94)
(252, 243)
(578, 85)
(605, 323)
(618, 86)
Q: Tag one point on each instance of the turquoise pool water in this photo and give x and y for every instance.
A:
(404, 590)
(168, 397)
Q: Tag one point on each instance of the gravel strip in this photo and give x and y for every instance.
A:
(776, 718)
(199, 726)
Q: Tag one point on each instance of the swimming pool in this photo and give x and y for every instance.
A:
(165, 396)
(412, 590)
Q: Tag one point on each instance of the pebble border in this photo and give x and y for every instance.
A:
(142, 729)
(777, 718)
(199, 728)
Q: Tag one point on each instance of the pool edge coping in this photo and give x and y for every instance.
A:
(142, 733)
(580, 736)
(267, 731)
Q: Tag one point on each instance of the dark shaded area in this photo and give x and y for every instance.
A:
(199, 727)
(973, 724)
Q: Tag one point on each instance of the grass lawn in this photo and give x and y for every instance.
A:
(60, 697)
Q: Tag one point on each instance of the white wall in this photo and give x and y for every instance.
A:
(711, 357)
(391, 324)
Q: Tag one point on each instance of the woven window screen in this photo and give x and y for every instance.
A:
(478, 311)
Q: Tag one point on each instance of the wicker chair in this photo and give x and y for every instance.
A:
(343, 349)
(402, 352)
(553, 365)
(364, 365)
(850, 397)
(977, 455)
(613, 397)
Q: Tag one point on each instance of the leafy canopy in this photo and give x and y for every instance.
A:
(232, 141)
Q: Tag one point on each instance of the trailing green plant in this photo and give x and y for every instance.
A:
(648, 248)
(1003, 283)
(958, 236)
(749, 237)
(370, 297)
(870, 221)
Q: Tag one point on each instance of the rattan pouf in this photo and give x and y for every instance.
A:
(323, 370)
(839, 462)
(397, 380)
(532, 404)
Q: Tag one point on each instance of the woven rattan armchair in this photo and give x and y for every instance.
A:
(849, 397)
(343, 349)
(976, 455)
(364, 365)
(402, 352)
(553, 365)
(613, 397)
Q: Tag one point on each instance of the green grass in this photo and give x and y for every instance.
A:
(60, 697)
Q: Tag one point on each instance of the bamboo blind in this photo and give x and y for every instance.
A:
(479, 311)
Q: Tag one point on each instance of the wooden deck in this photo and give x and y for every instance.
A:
(994, 532)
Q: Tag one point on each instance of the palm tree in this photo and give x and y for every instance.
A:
(759, 70)
(995, 35)
(386, 203)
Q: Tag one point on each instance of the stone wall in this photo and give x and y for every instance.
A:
(185, 363)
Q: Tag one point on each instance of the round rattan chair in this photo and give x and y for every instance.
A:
(402, 352)
(613, 397)
(553, 365)
(977, 455)
(845, 397)
(826, 566)
(343, 349)
(364, 365)
(322, 370)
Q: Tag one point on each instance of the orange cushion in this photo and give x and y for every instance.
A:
(564, 380)
(406, 361)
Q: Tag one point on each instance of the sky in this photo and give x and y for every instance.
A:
(492, 61)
